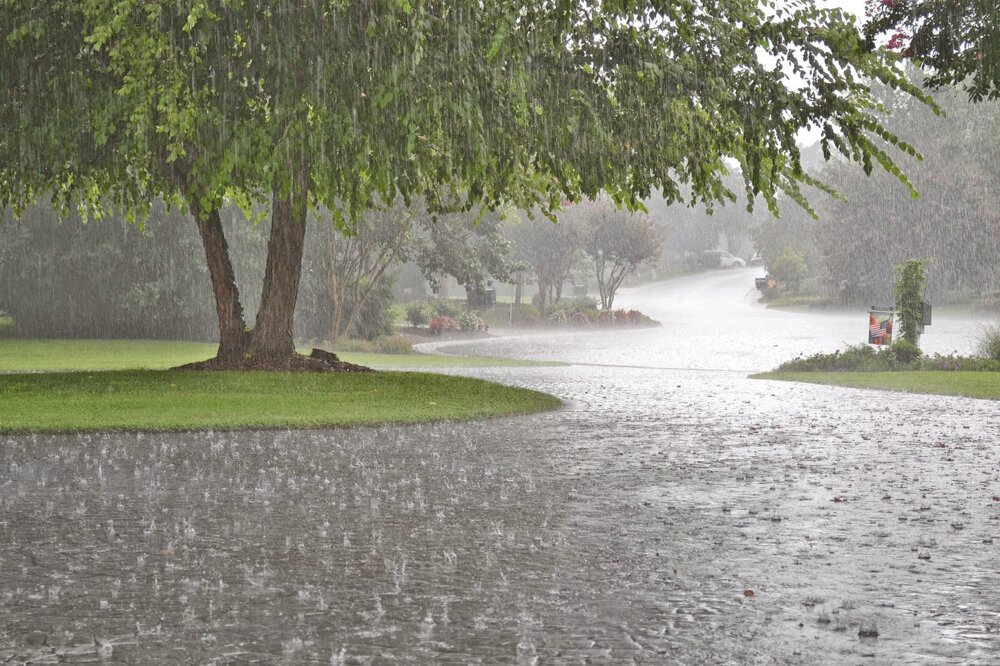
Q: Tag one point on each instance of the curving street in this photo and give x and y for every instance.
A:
(673, 512)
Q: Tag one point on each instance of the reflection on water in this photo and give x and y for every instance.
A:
(664, 516)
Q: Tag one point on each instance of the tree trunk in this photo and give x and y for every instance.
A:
(233, 338)
(271, 341)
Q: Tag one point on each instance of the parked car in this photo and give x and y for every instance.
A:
(722, 259)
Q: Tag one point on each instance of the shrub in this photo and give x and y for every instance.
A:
(988, 341)
(789, 267)
(621, 317)
(443, 306)
(387, 344)
(901, 355)
(580, 318)
(419, 313)
(558, 317)
(374, 316)
(604, 317)
(441, 323)
(470, 321)
(393, 344)
(855, 357)
(905, 351)
(952, 362)
(355, 345)
(529, 315)
(577, 304)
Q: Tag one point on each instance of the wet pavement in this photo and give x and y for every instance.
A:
(674, 512)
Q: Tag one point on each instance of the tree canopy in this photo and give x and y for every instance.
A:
(342, 103)
(957, 42)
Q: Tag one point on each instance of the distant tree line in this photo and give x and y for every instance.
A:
(849, 252)
(108, 278)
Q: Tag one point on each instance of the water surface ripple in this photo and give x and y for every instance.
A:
(667, 515)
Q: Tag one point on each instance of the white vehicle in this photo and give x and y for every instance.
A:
(722, 259)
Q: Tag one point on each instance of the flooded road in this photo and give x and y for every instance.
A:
(673, 512)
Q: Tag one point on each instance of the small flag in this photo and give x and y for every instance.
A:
(880, 327)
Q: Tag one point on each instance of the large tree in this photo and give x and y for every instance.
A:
(338, 103)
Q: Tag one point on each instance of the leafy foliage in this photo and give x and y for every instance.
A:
(788, 267)
(910, 280)
(905, 351)
(616, 243)
(988, 341)
(958, 42)
(549, 249)
(864, 358)
(858, 238)
(418, 313)
(346, 103)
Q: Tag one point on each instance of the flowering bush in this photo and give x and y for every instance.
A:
(470, 321)
(441, 323)
(580, 318)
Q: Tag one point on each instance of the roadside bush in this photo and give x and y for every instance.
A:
(988, 341)
(580, 318)
(905, 351)
(419, 313)
(952, 362)
(863, 358)
(860, 358)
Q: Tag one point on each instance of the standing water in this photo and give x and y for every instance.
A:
(674, 511)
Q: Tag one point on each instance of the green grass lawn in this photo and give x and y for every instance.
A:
(964, 383)
(125, 385)
(54, 355)
(184, 400)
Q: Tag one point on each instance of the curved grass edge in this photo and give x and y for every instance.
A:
(33, 355)
(963, 383)
(178, 401)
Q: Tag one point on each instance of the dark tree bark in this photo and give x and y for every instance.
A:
(271, 342)
(233, 337)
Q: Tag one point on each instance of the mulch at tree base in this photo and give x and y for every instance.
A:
(319, 360)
